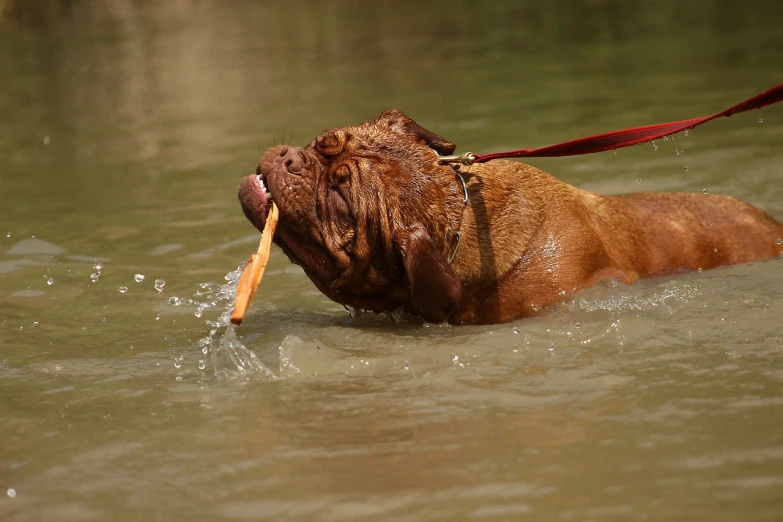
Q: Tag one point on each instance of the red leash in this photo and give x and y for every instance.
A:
(621, 138)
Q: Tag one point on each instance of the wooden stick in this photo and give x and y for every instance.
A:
(254, 271)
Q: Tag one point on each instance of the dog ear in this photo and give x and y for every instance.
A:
(400, 123)
(434, 286)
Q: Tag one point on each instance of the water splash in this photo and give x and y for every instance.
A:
(230, 358)
(159, 284)
(629, 300)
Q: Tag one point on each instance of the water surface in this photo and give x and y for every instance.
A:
(125, 129)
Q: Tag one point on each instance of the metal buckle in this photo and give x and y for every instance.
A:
(463, 159)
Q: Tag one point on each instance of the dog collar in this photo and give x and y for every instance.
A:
(457, 233)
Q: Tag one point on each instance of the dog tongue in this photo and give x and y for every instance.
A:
(254, 201)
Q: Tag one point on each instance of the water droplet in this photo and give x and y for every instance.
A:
(179, 378)
(686, 168)
(516, 330)
(761, 120)
(35, 323)
(665, 138)
(49, 280)
(551, 348)
(615, 152)
(21, 328)
(699, 270)
(715, 250)
(455, 358)
(138, 278)
(204, 350)
(200, 310)
(157, 318)
(202, 364)
(95, 276)
(577, 325)
(676, 144)
(97, 266)
(705, 191)
(8, 234)
(685, 132)
(11, 492)
(159, 284)
(638, 180)
(123, 289)
(177, 362)
(655, 147)
(779, 241)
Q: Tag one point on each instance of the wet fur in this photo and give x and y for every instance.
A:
(371, 216)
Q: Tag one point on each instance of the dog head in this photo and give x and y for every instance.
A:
(368, 213)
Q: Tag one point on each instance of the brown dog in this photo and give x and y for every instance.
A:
(378, 224)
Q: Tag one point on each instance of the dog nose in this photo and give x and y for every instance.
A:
(290, 159)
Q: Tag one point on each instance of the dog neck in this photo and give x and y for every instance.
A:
(493, 239)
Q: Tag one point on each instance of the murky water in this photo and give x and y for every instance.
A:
(124, 129)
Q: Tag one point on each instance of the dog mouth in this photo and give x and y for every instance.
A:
(256, 201)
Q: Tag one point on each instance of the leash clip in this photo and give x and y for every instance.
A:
(463, 159)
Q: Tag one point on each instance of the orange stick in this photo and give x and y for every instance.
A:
(254, 271)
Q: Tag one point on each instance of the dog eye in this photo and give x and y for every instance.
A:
(330, 143)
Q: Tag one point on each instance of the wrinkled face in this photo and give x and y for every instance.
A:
(362, 210)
